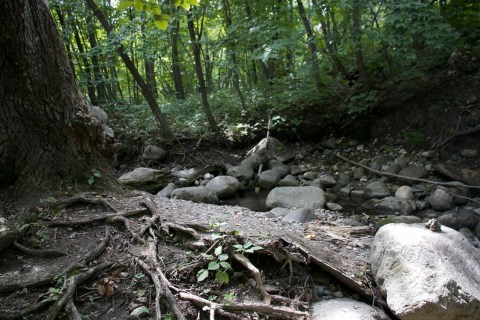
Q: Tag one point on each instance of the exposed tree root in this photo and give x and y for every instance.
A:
(279, 312)
(396, 176)
(48, 279)
(73, 282)
(68, 223)
(72, 311)
(83, 198)
(44, 253)
(256, 274)
(440, 144)
(24, 310)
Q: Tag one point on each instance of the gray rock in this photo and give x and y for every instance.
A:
(393, 168)
(146, 179)
(376, 189)
(167, 191)
(327, 181)
(334, 206)
(184, 173)
(469, 153)
(402, 162)
(278, 212)
(404, 192)
(427, 275)
(100, 114)
(457, 219)
(296, 197)
(311, 175)
(289, 181)
(343, 179)
(279, 166)
(344, 192)
(358, 173)
(224, 186)
(329, 143)
(345, 309)
(154, 153)
(357, 194)
(440, 200)
(268, 179)
(140, 312)
(301, 215)
(199, 194)
(243, 172)
(460, 194)
(393, 205)
(296, 170)
(413, 172)
(380, 161)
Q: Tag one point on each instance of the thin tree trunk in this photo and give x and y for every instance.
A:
(231, 53)
(88, 70)
(61, 19)
(150, 75)
(177, 73)
(329, 43)
(167, 132)
(97, 75)
(356, 32)
(311, 45)
(198, 70)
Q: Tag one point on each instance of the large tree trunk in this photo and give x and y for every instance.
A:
(47, 131)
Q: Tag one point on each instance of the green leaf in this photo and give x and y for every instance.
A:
(218, 250)
(225, 265)
(193, 2)
(216, 236)
(139, 5)
(238, 247)
(222, 277)
(125, 4)
(202, 275)
(157, 10)
(91, 181)
(185, 6)
(223, 257)
(248, 245)
(206, 256)
(213, 265)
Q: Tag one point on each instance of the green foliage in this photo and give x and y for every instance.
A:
(362, 103)
(247, 247)
(415, 138)
(94, 176)
(218, 263)
(160, 19)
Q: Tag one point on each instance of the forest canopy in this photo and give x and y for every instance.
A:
(229, 65)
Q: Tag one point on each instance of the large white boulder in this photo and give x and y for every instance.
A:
(346, 309)
(427, 275)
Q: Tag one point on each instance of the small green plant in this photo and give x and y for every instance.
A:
(218, 264)
(415, 138)
(246, 248)
(95, 175)
(229, 297)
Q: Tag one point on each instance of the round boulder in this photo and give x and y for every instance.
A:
(154, 153)
(296, 197)
(224, 186)
(440, 200)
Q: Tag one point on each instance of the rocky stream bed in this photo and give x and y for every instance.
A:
(339, 232)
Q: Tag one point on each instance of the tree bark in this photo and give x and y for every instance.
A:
(48, 134)
(147, 94)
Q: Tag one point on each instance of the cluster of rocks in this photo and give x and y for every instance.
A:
(423, 272)
(324, 184)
